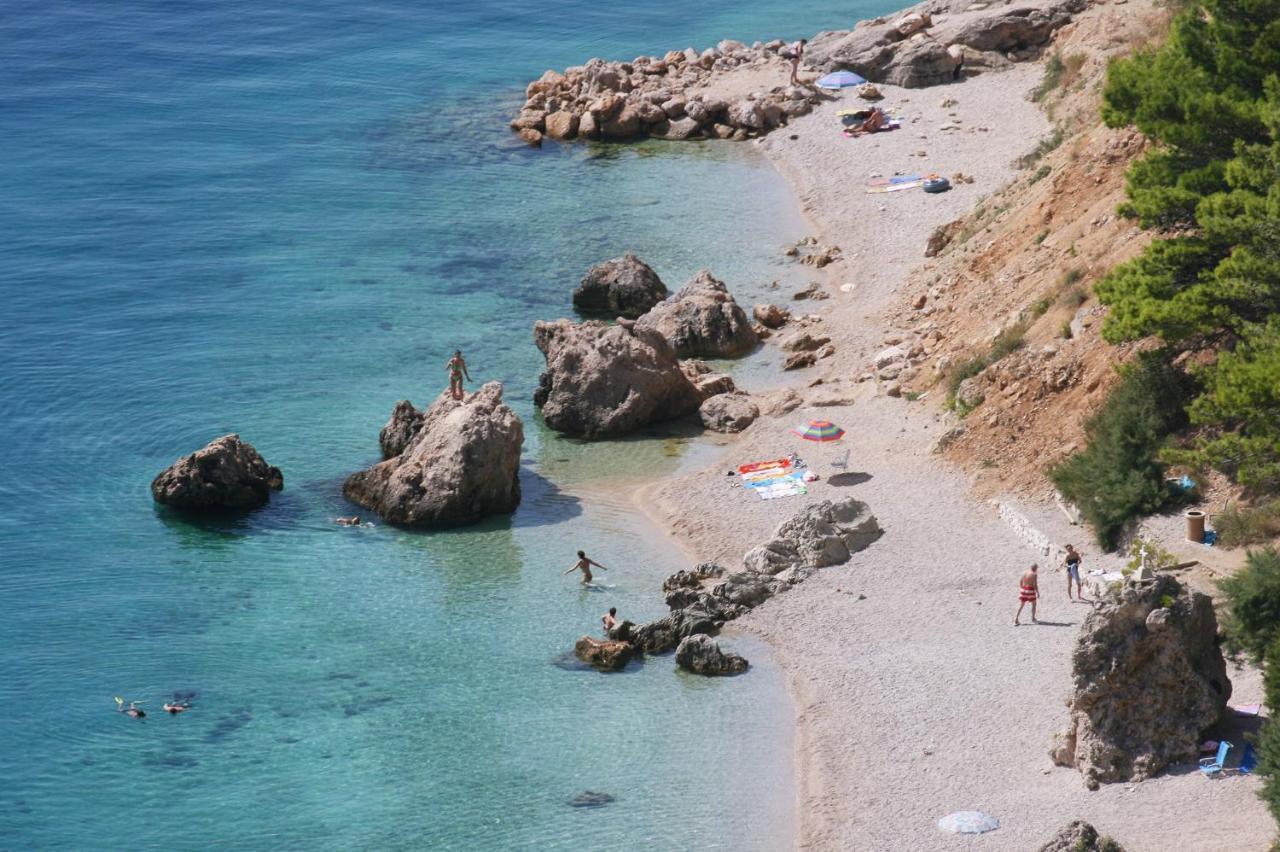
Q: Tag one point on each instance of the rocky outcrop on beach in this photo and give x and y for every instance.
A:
(460, 465)
(1149, 678)
(227, 474)
(927, 46)
(728, 412)
(820, 535)
(623, 287)
(705, 380)
(607, 655)
(668, 97)
(604, 380)
(1080, 836)
(703, 655)
(702, 320)
(400, 430)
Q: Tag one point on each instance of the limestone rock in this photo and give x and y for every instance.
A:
(1080, 836)
(561, 124)
(692, 578)
(771, 316)
(664, 634)
(728, 412)
(1017, 28)
(702, 320)
(746, 589)
(702, 655)
(462, 464)
(227, 474)
(625, 286)
(803, 341)
(707, 382)
(942, 237)
(1149, 678)
(401, 429)
(800, 360)
(819, 535)
(606, 655)
(604, 380)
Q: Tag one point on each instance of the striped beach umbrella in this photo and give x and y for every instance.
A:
(820, 431)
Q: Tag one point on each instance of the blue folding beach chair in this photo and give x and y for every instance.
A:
(1212, 766)
(1248, 760)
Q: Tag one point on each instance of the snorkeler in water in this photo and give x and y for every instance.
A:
(133, 710)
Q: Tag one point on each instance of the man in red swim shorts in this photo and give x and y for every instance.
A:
(1028, 593)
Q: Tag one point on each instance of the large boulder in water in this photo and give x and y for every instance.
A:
(607, 655)
(819, 535)
(604, 380)
(462, 464)
(702, 655)
(702, 320)
(227, 474)
(1148, 680)
(398, 432)
(622, 287)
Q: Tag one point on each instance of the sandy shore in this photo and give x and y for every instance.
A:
(922, 698)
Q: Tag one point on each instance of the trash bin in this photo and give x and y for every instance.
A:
(1195, 525)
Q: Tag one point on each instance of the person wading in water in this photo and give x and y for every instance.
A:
(457, 368)
(584, 565)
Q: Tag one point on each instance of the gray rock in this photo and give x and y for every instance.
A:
(1080, 836)
(771, 316)
(401, 429)
(1018, 28)
(819, 535)
(462, 465)
(625, 286)
(692, 578)
(746, 589)
(702, 320)
(679, 129)
(728, 412)
(604, 380)
(702, 655)
(227, 474)
(1149, 679)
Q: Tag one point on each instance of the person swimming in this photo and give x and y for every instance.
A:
(173, 708)
(353, 521)
(584, 565)
(610, 619)
(133, 711)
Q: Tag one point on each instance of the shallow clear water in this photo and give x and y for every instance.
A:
(277, 220)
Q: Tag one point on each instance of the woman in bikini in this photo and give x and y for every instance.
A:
(1073, 571)
(457, 368)
(1028, 593)
(584, 565)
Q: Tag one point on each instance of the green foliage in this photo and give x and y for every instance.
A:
(1118, 477)
(1045, 146)
(1064, 330)
(1251, 621)
(1041, 173)
(1155, 556)
(1040, 307)
(1210, 99)
(1008, 341)
(1040, 237)
(1239, 526)
(1054, 70)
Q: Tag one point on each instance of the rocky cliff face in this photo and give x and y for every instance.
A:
(1148, 679)
(461, 464)
(702, 320)
(227, 474)
(604, 380)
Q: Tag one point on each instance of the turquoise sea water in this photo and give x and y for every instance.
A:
(277, 219)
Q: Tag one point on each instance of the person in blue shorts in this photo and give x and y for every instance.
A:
(1072, 563)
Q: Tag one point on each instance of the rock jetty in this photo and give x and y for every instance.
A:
(459, 462)
(1149, 678)
(227, 474)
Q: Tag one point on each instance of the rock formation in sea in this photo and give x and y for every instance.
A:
(607, 655)
(604, 380)
(227, 474)
(1148, 680)
(702, 320)
(405, 423)
(1080, 836)
(460, 465)
(703, 655)
(623, 287)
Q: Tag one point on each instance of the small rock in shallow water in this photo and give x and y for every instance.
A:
(590, 799)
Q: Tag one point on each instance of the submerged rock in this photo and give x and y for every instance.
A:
(604, 380)
(225, 474)
(702, 320)
(703, 655)
(608, 655)
(1149, 678)
(591, 799)
(461, 465)
(625, 287)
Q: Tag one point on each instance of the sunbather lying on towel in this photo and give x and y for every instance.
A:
(876, 121)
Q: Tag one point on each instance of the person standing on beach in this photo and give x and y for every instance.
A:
(584, 565)
(1028, 593)
(797, 56)
(457, 368)
(1072, 564)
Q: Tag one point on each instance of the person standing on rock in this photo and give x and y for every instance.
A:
(584, 565)
(1072, 564)
(1028, 593)
(457, 368)
(797, 56)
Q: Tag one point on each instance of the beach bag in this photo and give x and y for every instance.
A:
(936, 184)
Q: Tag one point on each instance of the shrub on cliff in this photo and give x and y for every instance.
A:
(1251, 622)
(1209, 98)
(1118, 476)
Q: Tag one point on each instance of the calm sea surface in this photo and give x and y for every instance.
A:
(277, 219)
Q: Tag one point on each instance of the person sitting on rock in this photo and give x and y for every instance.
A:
(610, 619)
(584, 565)
(1028, 593)
(457, 368)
